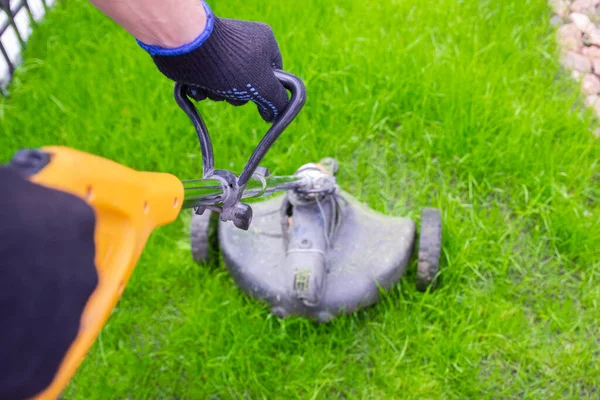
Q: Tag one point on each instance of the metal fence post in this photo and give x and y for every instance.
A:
(11, 14)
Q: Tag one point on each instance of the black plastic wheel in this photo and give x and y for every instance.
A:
(430, 247)
(199, 231)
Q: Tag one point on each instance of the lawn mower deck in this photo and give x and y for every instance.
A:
(322, 256)
(370, 253)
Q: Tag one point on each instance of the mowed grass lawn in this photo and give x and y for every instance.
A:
(459, 105)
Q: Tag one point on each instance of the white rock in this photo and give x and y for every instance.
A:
(560, 7)
(582, 22)
(593, 37)
(591, 51)
(570, 37)
(577, 62)
(591, 100)
(590, 84)
(584, 6)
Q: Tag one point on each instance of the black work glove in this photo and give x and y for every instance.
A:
(47, 275)
(231, 60)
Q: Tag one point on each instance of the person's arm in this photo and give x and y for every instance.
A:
(163, 23)
(221, 59)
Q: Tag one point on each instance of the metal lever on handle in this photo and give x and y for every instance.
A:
(231, 207)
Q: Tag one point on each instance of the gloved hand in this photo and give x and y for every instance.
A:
(231, 60)
(47, 275)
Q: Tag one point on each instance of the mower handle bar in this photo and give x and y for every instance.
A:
(298, 97)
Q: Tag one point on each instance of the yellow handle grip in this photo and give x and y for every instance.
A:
(128, 204)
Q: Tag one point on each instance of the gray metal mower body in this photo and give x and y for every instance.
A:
(299, 273)
(314, 252)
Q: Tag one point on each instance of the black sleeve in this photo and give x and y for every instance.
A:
(47, 274)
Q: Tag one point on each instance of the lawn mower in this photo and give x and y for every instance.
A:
(314, 251)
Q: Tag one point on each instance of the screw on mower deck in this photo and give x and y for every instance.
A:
(315, 251)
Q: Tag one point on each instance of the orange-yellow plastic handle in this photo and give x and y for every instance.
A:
(128, 204)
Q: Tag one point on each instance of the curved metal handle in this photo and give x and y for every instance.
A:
(208, 159)
(298, 97)
(297, 100)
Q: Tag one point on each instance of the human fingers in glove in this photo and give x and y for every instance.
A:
(222, 59)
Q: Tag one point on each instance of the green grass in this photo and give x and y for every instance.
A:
(454, 104)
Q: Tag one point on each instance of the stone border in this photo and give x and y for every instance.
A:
(578, 35)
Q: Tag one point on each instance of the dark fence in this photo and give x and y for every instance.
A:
(10, 11)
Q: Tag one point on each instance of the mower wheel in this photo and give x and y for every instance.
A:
(199, 236)
(430, 246)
